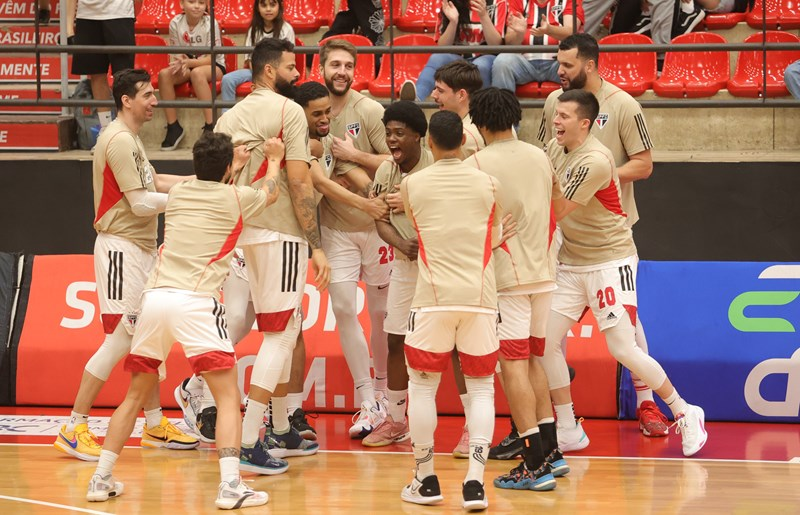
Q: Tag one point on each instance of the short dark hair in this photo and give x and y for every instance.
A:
(460, 74)
(211, 155)
(126, 82)
(408, 113)
(309, 91)
(587, 46)
(337, 44)
(495, 109)
(446, 130)
(588, 106)
(269, 51)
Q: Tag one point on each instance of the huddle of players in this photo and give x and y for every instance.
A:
(459, 260)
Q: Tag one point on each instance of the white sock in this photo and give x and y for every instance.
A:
(565, 416)
(105, 118)
(687, 7)
(481, 424)
(422, 418)
(253, 420)
(366, 393)
(294, 402)
(280, 416)
(397, 404)
(194, 384)
(466, 404)
(207, 400)
(229, 469)
(676, 403)
(424, 458)
(643, 392)
(106, 463)
(529, 432)
(379, 384)
(76, 419)
(153, 417)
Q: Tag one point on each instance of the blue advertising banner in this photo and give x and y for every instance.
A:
(727, 335)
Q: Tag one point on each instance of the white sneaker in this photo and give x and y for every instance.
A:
(692, 428)
(189, 402)
(367, 419)
(573, 439)
(101, 488)
(423, 492)
(235, 495)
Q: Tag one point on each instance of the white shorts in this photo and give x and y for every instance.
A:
(238, 265)
(121, 270)
(277, 272)
(355, 256)
(523, 324)
(402, 285)
(610, 292)
(195, 321)
(432, 335)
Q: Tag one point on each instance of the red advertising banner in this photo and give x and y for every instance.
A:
(26, 10)
(22, 69)
(29, 94)
(62, 331)
(28, 136)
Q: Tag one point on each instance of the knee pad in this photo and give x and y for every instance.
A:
(274, 360)
(421, 378)
(115, 346)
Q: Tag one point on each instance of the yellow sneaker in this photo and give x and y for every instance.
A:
(168, 436)
(81, 443)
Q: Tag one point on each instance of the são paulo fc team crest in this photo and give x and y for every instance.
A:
(602, 120)
(328, 160)
(354, 129)
(567, 175)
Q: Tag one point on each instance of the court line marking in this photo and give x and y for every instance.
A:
(795, 460)
(53, 505)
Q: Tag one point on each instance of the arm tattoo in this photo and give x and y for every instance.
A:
(307, 208)
(228, 452)
(271, 186)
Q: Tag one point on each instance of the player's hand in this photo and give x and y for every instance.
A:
(509, 229)
(395, 202)
(240, 157)
(344, 149)
(410, 248)
(322, 270)
(517, 24)
(316, 148)
(376, 207)
(479, 6)
(274, 149)
(450, 11)
(542, 29)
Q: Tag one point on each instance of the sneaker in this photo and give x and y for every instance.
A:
(688, 21)
(462, 449)
(522, 478)
(558, 465)
(509, 448)
(206, 424)
(408, 91)
(236, 494)
(289, 444)
(257, 459)
(692, 428)
(367, 419)
(474, 496)
(651, 421)
(44, 16)
(387, 433)
(426, 491)
(573, 439)
(299, 421)
(101, 488)
(167, 436)
(571, 373)
(189, 402)
(174, 136)
(80, 443)
(642, 25)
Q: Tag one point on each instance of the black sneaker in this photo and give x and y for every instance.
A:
(174, 136)
(44, 16)
(642, 25)
(571, 373)
(300, 423)
(408, 91)
(474, 496)
(207, 424)
(426, 491)
(208, 127)
(558, 465)
(509, 448)
(688, 21)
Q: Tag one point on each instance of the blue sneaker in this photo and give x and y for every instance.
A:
(558, 465)
(520, 478)
(289, 444)
(257, 459)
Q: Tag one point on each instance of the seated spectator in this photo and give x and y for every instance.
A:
(363, 17)
(555, 22)
(792, 79)
(462, 22)
(726, 6)
(267, 22)
(191, 28)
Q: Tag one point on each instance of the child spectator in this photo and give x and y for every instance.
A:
(192, 28)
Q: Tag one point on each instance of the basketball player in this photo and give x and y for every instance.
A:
(128, 195)
(455, 213)
(349, 237)
(275, 243)
(181, 302)
(525, 273)
(597, 260)
(620, 127)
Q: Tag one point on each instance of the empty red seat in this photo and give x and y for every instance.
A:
(537, 89)
(406, 66)
(365, 64)
(233, 16)
(397, 4)
(722, 21)
(420, 16)
(633, 72)
(245, 88)
(781, 14)
(155, 15)
(153, 63)
(185, 89)
(308, 16)
(748, 79)
(694, 74)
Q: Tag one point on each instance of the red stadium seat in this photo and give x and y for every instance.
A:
(694, 74)
(781, 14)
(245, 88)
(365, 65)
(748, 79)
(308, 16)
(155, 15)
(185, 89)
(420, 16)
(537, 89)
(722, 21)
(406, 66)
(153, 63)
(233, 16)
(633, 72)
(398, 10)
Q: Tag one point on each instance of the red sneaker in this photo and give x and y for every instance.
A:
(652, 422)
